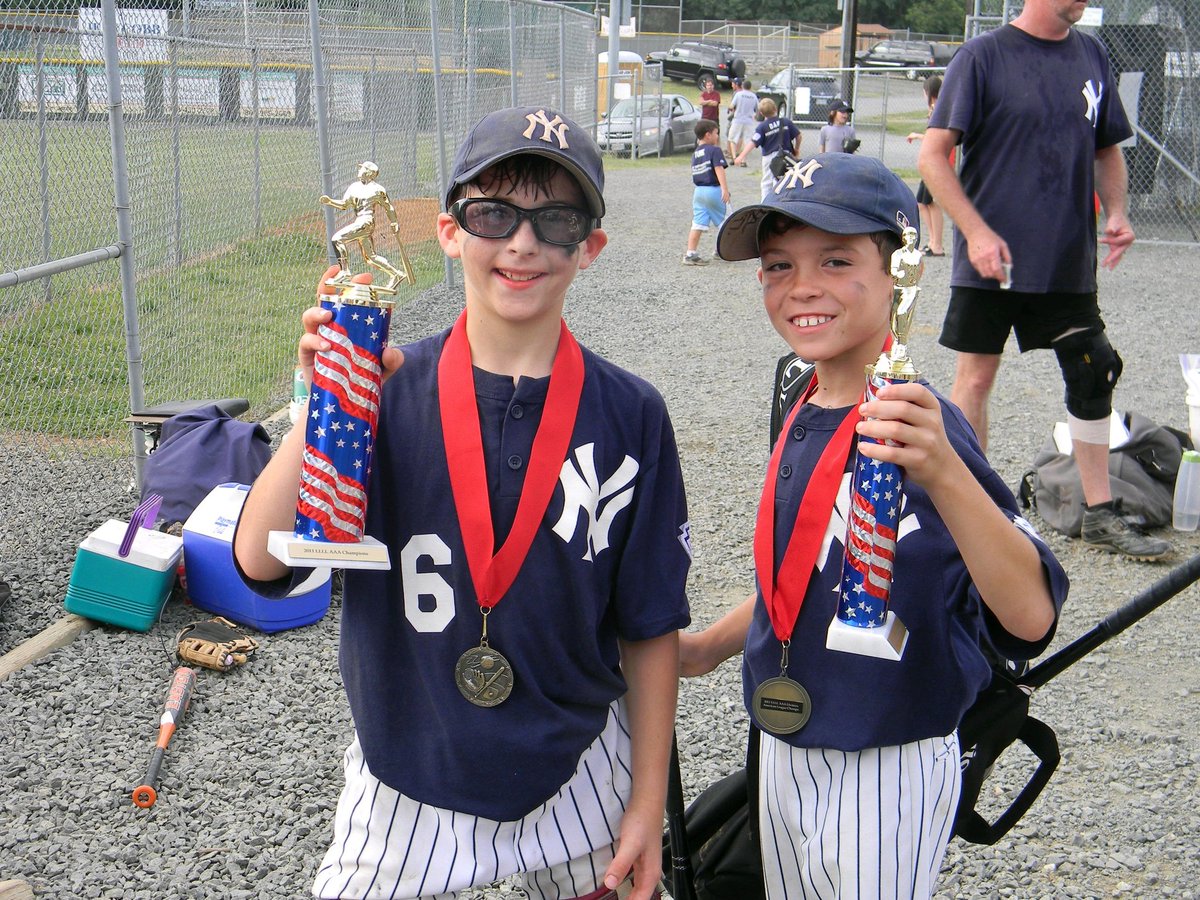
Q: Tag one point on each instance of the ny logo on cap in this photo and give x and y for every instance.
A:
(556, 127)
(797, 172)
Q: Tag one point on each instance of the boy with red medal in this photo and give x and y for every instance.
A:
(513, 676)
(859, 766)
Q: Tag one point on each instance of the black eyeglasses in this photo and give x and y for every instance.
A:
(483, 217)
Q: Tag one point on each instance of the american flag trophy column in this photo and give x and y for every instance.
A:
(864, 624)
(343, 406)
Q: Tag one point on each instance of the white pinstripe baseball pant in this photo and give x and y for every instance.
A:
(866, 825)
(386, 845)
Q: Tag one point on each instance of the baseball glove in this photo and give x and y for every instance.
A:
(215, 644)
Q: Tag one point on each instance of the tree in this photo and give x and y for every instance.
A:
(766, 10)
(937, 16)
(929, 16)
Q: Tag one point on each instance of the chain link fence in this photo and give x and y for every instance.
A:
(162, 250)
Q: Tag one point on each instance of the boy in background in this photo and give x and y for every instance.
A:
(838, 136)
(773, 136)
(742, 108)
(710, 196)
(858, 801)
(490, 439)
(710, 102)
(931, 213)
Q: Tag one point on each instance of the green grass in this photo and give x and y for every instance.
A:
(216, 165)
(233, 316)
(906, 123)
(224, 323)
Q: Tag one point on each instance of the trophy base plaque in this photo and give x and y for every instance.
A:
(886, 641)
(297, 551)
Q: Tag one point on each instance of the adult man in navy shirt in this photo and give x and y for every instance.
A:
(1035, 106)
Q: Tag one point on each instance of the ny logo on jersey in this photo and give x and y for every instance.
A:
(555, 127)
(1091, 96)
(583, 492)
(836, 530)
(798, 172)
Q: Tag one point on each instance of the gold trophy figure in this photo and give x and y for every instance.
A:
(907, 266)
(362, 198)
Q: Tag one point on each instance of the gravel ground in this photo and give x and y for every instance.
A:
(249, 786)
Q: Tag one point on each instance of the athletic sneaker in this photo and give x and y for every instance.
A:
(1105, 529)
(694, 259)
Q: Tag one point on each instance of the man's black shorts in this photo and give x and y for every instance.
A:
(979, 320)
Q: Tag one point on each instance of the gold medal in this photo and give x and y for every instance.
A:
(781, 706)
(484, 676)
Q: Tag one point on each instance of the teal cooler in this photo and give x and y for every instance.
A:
(213, 582)
(129, 591)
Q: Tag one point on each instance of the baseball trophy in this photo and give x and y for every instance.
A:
(864, 624)
(343, 406)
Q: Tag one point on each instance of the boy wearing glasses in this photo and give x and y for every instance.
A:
(531, 495)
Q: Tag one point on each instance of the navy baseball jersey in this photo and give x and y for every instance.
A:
(1032, 114)
(774, 135)
(609, 561)
(859, 701)
(705, 161)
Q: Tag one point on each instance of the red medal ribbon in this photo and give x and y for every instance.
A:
(493, 574)
(785, 595)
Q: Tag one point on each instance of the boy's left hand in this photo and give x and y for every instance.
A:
(639, 853)
(909, 415)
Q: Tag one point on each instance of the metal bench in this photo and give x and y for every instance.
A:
(149, 421)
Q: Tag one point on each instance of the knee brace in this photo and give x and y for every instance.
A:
(1090, 368)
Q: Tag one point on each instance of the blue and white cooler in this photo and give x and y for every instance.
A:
(212, 579)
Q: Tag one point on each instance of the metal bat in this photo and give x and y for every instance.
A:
(179, 697)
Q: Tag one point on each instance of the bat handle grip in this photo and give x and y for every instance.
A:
(144, 795)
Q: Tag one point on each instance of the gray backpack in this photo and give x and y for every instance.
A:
(1142, 473)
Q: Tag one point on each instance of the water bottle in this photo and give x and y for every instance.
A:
(1186, 514)
(299, 395)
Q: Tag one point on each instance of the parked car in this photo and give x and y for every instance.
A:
(695, 61)
(652, 124)
(910, 55)
(822, 91)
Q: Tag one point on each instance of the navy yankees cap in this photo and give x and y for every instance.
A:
(840, 105)
(837, 192)
(537, 130)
